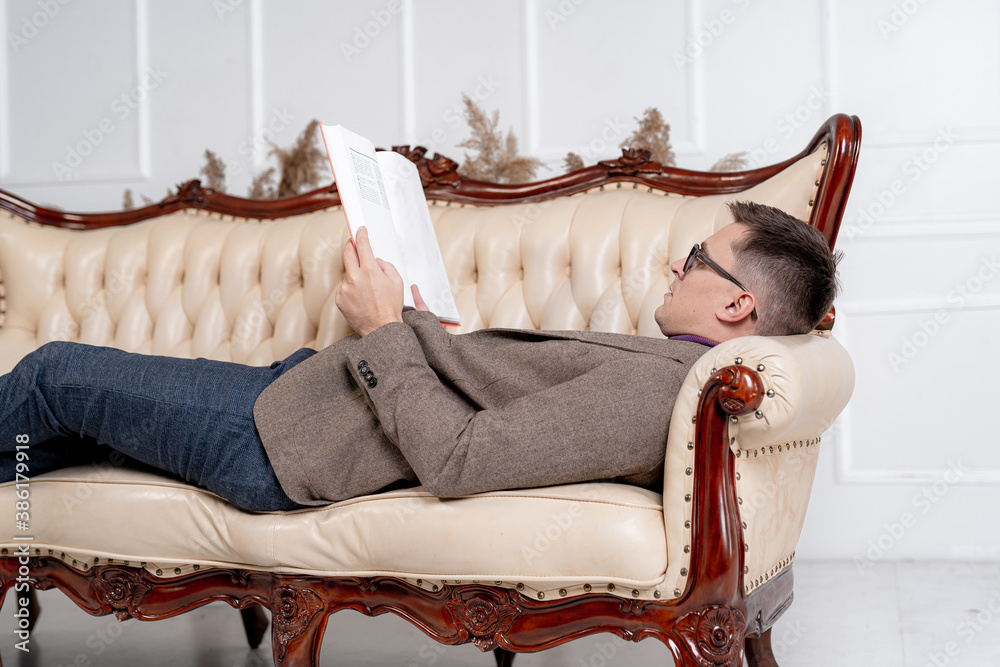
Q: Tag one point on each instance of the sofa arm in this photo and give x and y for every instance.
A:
(807, 380)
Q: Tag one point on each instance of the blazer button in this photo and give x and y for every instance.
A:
(363, 366)
(372, 381)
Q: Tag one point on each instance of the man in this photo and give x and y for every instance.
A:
(404, 402)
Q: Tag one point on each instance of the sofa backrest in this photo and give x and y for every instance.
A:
(207, 275)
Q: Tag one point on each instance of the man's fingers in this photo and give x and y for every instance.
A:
(364, 246)
(418, 300)
(351, 255)
(388, 269)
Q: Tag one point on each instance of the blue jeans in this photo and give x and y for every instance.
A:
(189, 417)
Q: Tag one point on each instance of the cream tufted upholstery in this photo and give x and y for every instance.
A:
(190, 284)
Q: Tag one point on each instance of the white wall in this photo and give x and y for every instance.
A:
(919, 310)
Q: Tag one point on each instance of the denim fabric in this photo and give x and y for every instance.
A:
(189, 417)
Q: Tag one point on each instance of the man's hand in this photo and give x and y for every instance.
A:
(418, 300)
(372, 291)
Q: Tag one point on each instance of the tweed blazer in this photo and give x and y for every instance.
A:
(462, 414)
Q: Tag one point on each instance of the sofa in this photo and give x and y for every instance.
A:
(705, 566)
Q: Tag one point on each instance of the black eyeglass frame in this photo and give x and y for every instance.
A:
(696, 255)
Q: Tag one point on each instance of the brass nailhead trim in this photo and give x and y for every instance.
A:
(520, 587)
(684, 572)
(541, 595)
(635, 593)
(611, 587)
(656, 594)
(586, 588)
(562, 592)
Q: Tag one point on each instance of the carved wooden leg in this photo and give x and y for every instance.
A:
(298, 619)
(759, 651)
(712, 636)
(504, 657)
(254, 623)
(34, 608)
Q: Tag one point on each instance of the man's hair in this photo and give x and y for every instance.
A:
(788, 266)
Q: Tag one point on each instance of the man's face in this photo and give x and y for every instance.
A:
(695, 297)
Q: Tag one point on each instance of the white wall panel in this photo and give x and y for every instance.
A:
(601, 64)
(79, 117)
(336, 62)
(900, 428)
(937, 64)
(473, 48)
(765, 87)
(189, 110)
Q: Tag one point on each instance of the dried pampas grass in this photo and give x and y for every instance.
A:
(302, 164)
(573, 162)
(214, 172)
(732, 162)
(496, 160)
(653, 134)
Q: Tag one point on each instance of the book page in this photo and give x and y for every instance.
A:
(363, 194)
(417, 241)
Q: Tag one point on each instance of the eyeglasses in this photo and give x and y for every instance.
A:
(696, 255)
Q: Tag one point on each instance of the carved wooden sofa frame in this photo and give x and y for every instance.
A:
(717, 616)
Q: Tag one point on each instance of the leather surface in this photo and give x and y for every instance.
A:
(541, 538)
(777, 452)
(190, 284)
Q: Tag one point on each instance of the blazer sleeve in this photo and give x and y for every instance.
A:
(610, 422)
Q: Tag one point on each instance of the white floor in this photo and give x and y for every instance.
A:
(891, 614)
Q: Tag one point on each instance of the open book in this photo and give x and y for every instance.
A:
(382, 192)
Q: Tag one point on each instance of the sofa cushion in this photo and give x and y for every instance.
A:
(544, 539)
